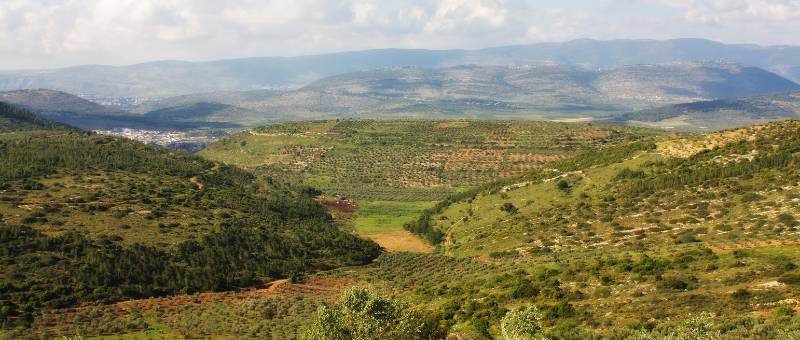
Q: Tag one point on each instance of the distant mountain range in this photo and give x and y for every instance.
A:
(718, 114)
(489, 92)
(76, 111)
(478, 92)
(50, 102)
(169, 78)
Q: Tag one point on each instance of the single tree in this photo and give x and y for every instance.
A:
(363, 314)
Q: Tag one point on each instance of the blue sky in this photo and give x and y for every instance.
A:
(54, 33)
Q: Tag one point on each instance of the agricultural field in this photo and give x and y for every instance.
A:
(383, 221)
(409, 160)
(394, 170)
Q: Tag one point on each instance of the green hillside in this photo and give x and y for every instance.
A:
(697, 181)
(633, 235)
(628, 234)
(409, 160)
(392, 170)
(42, 100)
(86, 218)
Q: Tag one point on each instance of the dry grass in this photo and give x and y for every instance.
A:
(400, 240)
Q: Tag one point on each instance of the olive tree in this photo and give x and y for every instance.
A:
(364, 314)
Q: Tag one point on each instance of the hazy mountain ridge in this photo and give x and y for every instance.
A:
(73, 110)
(526, 92)
(719, 114)
(168, 78)
(498, 91)
(51, 101)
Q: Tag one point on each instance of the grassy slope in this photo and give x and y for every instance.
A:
(595, 190)
(384, 216)
(382, 222)
(638, 245)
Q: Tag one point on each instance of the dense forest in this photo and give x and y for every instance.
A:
(242, 232)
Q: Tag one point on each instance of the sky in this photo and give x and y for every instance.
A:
(57, 33)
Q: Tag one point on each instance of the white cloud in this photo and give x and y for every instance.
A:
(50, 33)
(736, 11)
(453, 14)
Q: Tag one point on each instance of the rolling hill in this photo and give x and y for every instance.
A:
(377, 175)
(169, 78)
(718, 114)
(478, 92)
(657, 229)
(51, 102)
(637, 234)
(543, 92)
(76, 111)
(87, 219)
(416, 159)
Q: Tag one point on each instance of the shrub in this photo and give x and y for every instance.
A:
(673, 282)
(788, 220)
(627, 173)
(751, 197)
(563, 185)
(524, 289)
(740, 294)
(522, 324)
(509, 208)
(790, 278)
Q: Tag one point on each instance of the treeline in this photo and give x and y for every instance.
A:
(709, 174)
(17, 118)
(37, 155)
(69, 269)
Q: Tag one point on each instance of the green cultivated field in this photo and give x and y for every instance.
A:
(384, 216)
(408, 160)
(396, 168)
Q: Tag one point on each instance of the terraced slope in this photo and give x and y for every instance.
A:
(376, 176)
(641, 228)
(409, 160)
